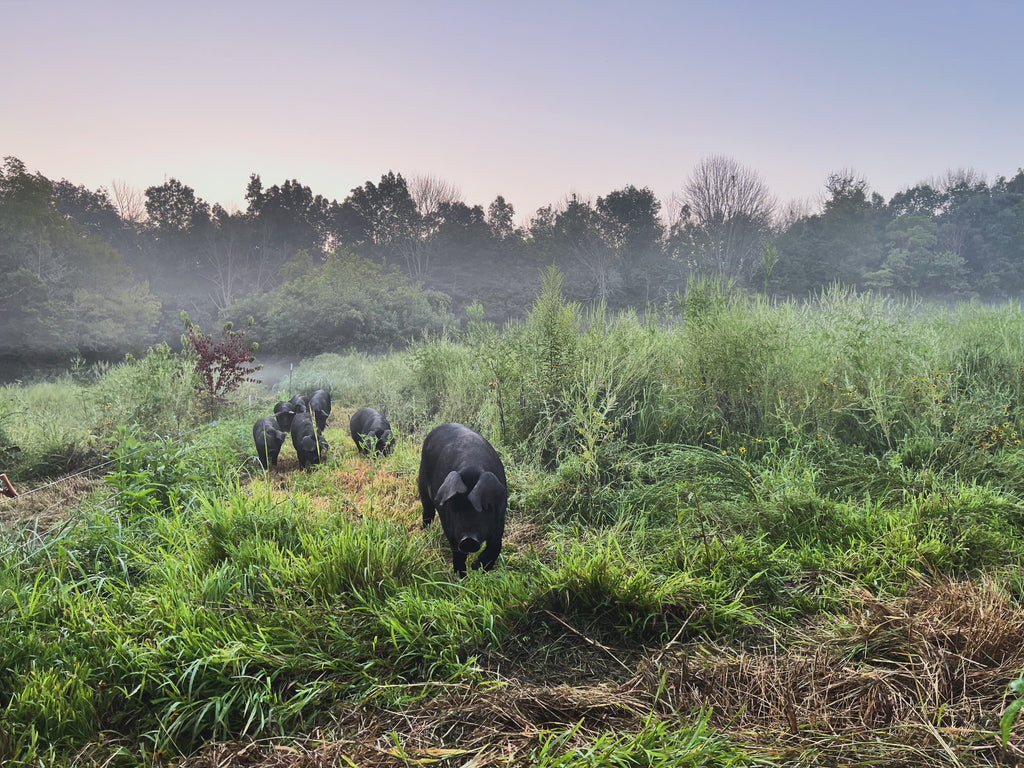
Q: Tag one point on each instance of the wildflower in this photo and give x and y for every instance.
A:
(743, 449)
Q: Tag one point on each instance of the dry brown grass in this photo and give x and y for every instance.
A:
(48, 504)
(917, 681)
(460, 726)
(926, 673)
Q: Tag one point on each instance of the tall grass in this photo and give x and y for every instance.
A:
(725, 472)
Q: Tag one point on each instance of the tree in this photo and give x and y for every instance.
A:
(221, 365)
(435, 201)
(459, 232)
(430, 193)
(582, 236)
(915, 262)
(501, 220)
(920, 199)
(64, 288)
(540, 233)
(98, 215)
(173, 207)
(129, 202)
(844, 243)
(984, 225)
(177, 231)
(729, 214)
(290, 218)
(630, 219)
(342, 304)
(92, 210)
(231, 264)
(378, 220)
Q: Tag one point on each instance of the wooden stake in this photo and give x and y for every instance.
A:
(7, 489)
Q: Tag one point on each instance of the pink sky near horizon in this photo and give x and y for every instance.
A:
(531, 101)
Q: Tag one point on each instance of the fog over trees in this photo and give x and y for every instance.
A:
(98, 273)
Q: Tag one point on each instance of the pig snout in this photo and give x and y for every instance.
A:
(469, 544)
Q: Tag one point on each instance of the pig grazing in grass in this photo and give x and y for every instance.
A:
(371, 432)
(463, 480)
(284, 412)
(269, 437)
(310, 445)
(320, 406)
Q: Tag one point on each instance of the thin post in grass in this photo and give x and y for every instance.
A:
(8, 489)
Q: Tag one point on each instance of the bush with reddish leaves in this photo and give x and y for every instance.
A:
(221, 365)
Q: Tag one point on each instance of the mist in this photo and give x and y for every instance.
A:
(91, 275)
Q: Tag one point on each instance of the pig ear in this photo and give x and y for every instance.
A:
(451, 486)
(488, 491)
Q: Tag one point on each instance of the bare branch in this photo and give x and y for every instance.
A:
(129, 201)
(733, 209)
(429, 192)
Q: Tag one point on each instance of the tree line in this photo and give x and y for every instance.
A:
(98, 272)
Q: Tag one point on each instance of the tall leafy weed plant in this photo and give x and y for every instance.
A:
(162, 474)
(547, 349)
(47, 428)
(152, 395)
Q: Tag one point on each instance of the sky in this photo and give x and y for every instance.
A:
(532, 101)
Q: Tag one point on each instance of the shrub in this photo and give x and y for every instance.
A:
(153, 395)
(221, 366)
(345, 304)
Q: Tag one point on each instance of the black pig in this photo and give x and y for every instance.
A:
(371, 432)
(320, 406)
(269, 438)
(462, 478)
(284, 412)
(310, 445)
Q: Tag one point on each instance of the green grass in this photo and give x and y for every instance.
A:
(724, 484)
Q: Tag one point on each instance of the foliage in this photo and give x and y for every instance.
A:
(47, 429)
(814, 532)
(150, 476)
(83, 275)
(155, 394)
(1010, 713)
(345, 304)
(222, 366)
(727, 213)
(659, 743)
(64, 289)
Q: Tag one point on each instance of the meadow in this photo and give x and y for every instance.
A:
(741, 532)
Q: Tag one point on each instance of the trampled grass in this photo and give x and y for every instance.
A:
(721, 550)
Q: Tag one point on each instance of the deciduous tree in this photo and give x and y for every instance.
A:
(376, 220)
(630, 219)
(729, 212)
(63, 289)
